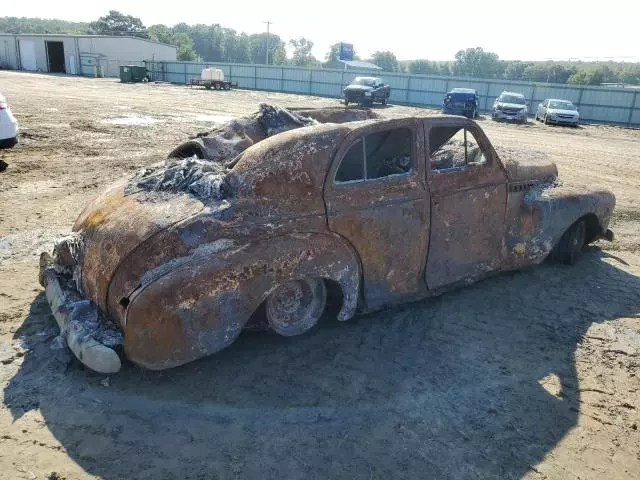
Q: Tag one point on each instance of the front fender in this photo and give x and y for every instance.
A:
(538, 218)
(200, 306)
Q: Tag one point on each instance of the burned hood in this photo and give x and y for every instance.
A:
(526, 165)
(118, 221)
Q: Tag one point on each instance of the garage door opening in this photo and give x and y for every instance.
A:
(55, 57)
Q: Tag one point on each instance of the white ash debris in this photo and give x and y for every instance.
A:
(66, 263)
(202, 178)
(86, 318)
(205, 178)
(68, 256)
(540, 189)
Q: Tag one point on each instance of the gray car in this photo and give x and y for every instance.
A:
(510, 106)
(557, 111)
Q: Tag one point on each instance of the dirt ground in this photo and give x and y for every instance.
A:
(528, 375)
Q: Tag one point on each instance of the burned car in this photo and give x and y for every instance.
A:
(257, 222)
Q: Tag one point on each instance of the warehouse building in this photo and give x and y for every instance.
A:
(89, 55)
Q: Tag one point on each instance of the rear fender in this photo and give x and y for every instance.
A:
(200, 306)
(537, 219)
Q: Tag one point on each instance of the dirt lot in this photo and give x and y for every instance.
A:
(529, 375)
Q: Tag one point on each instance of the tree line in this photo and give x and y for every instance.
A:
(215, 43)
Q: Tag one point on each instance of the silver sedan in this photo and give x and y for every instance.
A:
(557, 111)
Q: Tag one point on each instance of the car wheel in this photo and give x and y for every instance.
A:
(208, 87)
(296, 306)
(546, 120)
(571, 244)
(216, 86)
(384, 100)
(346, 102)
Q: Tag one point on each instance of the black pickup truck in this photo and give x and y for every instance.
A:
(366, 90)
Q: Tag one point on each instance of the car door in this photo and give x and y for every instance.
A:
(376, 198)
(467, 184)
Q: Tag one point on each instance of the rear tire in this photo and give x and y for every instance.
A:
(569, 248)
(296, 306)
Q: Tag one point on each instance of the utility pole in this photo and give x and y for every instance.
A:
(268, 24)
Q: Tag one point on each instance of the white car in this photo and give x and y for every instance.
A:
(8, 125)
(557, 111)
(510, 106)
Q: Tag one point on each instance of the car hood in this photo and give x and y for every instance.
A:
(557, 111)
(358, 88)
(115, 223)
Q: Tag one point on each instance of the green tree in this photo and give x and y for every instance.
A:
(237, 48)
(385, 60)
(515, 70)
(18, 25)
(184, 44)
(160, 33)
(117, 23)
(423, 67)
(258, 43)
(474, 62)
(302, 52)
(584, 77)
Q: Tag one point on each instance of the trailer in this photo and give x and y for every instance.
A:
(209, 84)
(212, 78)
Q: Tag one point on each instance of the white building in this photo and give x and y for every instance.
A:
(88, 55)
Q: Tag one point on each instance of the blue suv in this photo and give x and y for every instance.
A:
(461, 101)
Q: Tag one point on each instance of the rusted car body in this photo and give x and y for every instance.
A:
(381, 211)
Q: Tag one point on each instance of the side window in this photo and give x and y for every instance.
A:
(352, 165)
(377, 155)
(388, 153)
(454, 148)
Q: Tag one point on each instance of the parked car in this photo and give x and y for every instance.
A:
(510, 106)
(558, 111)
(8, 125)
(182, 257)
(366, 91)
(462, 101)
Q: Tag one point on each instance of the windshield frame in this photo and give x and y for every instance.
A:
(509, 97)
(364, 81)
(553, 105)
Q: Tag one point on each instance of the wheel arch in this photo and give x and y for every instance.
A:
(200, 307)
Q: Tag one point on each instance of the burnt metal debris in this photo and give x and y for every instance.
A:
(264, 218)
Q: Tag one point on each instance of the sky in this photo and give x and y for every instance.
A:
(515, 30)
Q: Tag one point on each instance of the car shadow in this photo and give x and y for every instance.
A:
(446, 388)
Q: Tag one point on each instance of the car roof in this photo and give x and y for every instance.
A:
(559, 100)
(512, 93)
(462, 90)
(367, 78)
